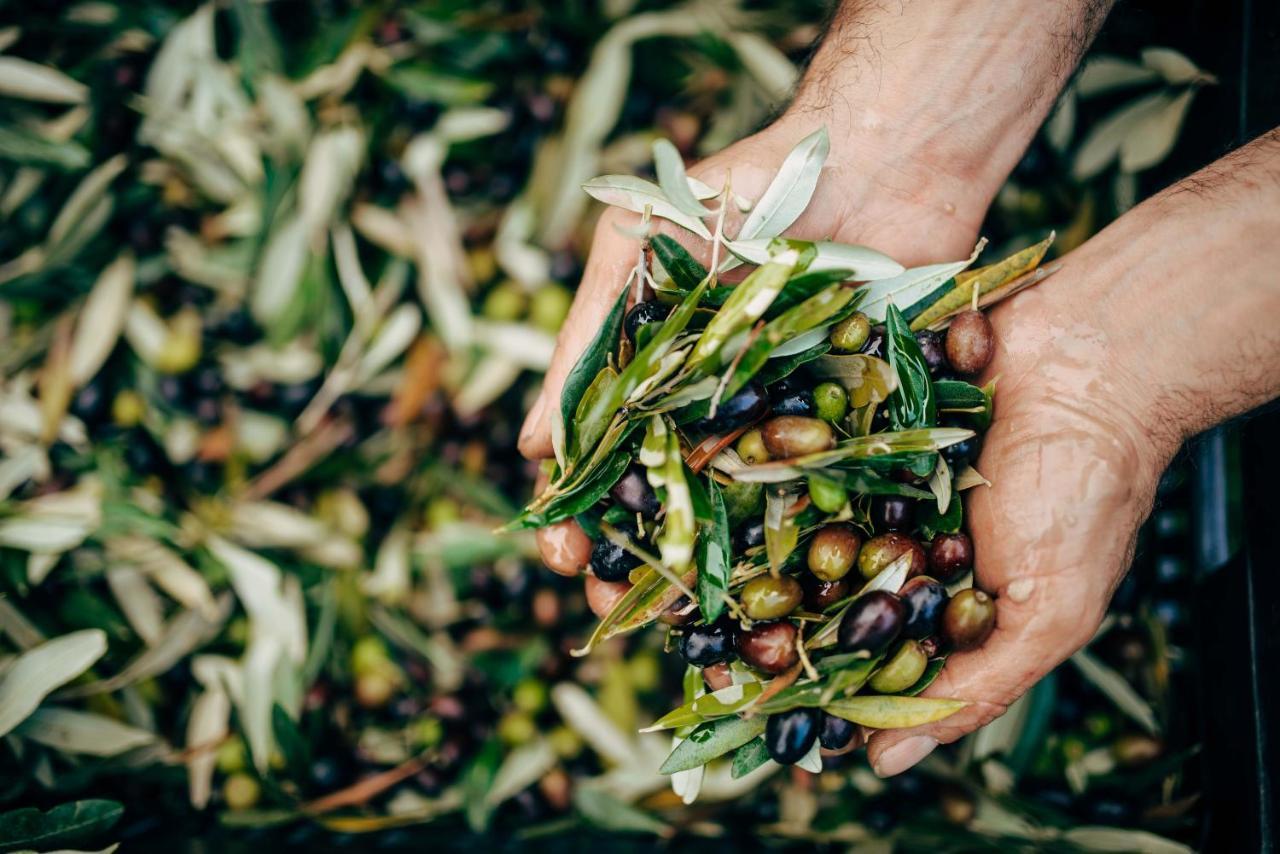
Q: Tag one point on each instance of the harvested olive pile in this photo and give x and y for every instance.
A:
(773, 468)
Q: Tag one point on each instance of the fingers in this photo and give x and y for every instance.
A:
(612, 257)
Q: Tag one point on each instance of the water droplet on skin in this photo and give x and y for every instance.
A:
(1020, 590)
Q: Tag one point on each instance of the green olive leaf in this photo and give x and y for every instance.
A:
(932, 523)
(638, 195)
(712, 740)
(716, 704)
(749, 301)
(714, 561)
(576, 500)
(749, 757)
(912, 404)
(867, 481)
(777, 369)
(28, 828)
(587, 370)
(685, 272)
(958, 395)
(669, 165)
(893, 712)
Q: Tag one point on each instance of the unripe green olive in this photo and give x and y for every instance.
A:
(969, 619)
(241, 792)
(970, 342)
(882, 550)
(795, 435)
(850, 334)
(831, 401)
(833, 551)
(769, 598)
(902, 670)
(827, 495)
(751, 448)
(549, 306)
(506, 301)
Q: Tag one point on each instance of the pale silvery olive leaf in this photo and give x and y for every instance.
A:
(1152, 137)
(1103, 143)
(1175, 68)
(801, 342)
(680, 527)
(791, 189)
(672, 179)
(72, 731)
(1105, 73)
(41, 669)
(638, 195)
(32, 82)
(864, 263)
(911, 285)
(712, 740)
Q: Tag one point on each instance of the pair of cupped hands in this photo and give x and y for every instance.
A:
(1073, 469)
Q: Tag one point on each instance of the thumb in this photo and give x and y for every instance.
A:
(1036, 629)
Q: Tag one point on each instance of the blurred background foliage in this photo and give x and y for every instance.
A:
(277, 280)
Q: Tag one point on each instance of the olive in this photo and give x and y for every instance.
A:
(836, 732)
(603, 595)
(893, 512)
(751, 448)
(769, 598)
(884, 549)
(749, 536)
(958, 806)
(642, 313)
(873, 621)
(1136, 749)
(963, 452)
(874, 345)
(711, 644)
(738, 411)
(820, 595)
(789, 398)
(610, 561)
(633, 492)
(951, 555)
(826, 494)
(902, 670)
(679, 613)
(934, 351)
(789, 436)
(968, 619)
(850, 334)
(549, 306)
(241, 792)
(770, 647)
(833, 551)
(90, 404)
(718, 676)
(970, 342)
(925, 599)
(831, 401)
(789, 735)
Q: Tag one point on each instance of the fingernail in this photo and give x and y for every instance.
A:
(904, 755)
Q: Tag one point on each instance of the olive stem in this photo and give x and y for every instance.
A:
(809, 669)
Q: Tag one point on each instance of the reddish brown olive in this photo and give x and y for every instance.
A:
(820, 595)
(565, 548)
(833, 551)
(950, 556)
(770, 647)
(718, 676)
(880, 551)
(603, 595)
(970, 342)
(969, 619)
(873, 621)
(796, 435)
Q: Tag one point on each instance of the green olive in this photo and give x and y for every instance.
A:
(831, 401)
(884, 549)
(902, 670)
(530, 695)
(769, 598)
(827, 495)
(850, 334)
(241, 792)
(833, 550)
(549, 306)
(789, 436)
(507, 301)
(969, 618)
(751, 448)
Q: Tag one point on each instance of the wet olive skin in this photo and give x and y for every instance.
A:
(789, 398)
(833, 551)
(831, 401)
(836, 733)
(850, 334)
(789, 735)
(633, 492)
(970, 342)
(610, 561)
(934, 350)
(963, 452)
(872, 622)
(950, 556)
(820, 595)
(746, 406)
(769, 598)
(749, 536)
(788, 436)
(902, 670)
(705, 645)
(882, 550)
(827, 495)
(770, 647)
(751, 448)
(893, 512)
(969, 619)
(642, 313)
(925, 599)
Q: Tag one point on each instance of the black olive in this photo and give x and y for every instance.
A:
(238, 327)
(925, 599)
(90, 404)
(633, 492)
(738, 411)
(749, 536)
(141, 453)
(171, 390)
(963, 452)
(610, 561)
(875, 343)
(836, 732)
(703, 646)
(206, 381)
(880, 421)
(873, 621)
(934, 350)
(790, 398)
(789, 735)
(642, 313)
(893, 512)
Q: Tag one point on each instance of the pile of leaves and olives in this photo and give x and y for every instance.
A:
(277, 281)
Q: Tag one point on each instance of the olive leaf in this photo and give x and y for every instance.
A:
(789, 192)
(576, 500)
(859, 263)
(867, 379)
(643, 590)
(679, 528)
(912, 403)
(714, 560)
(911, 285)
(867, 481)
(780, 368)
(749, 757)
(685, 272)
(804, 285)
(749, 301)
(716, 704)
(669, 165)
(926, 679)
(38, 671)
(958, 395)
(893, 712)
(780, 530)
(638, 195)
(28, 828)
(711, 740)
(985, 279)
(587, 369)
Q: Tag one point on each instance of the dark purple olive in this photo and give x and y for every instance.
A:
(969, 618)
(610, 561)
(738, 411)
(874, 345)
(893, 512)
(789, 735)
(820, 595)
(836, 733)
(770, 647)
(91, 404)
(749, 536)
(642, 313)
(950, 556)
(873, 621)
(790, 398)
(934, 350)
(705, 645)
(970, 342)
(633, 492)
(963, 452)
(925, 599)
